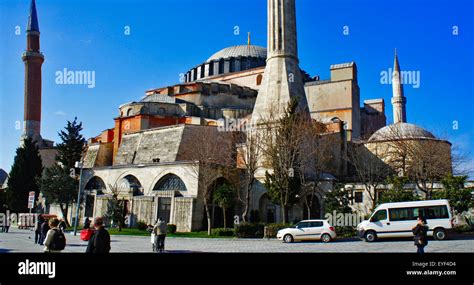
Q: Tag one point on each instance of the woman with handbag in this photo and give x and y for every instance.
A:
(420, 231)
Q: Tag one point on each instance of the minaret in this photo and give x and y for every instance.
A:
(398, 100)
(33, 60)
(282, 79)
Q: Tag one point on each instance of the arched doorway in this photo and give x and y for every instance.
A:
(97, 185)
(128, 187)
(169, 182)
(314, 208)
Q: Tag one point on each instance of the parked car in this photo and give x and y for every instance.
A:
(397, 220)
(308, 230)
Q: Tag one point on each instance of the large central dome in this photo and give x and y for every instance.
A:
(240, 51)
(228, 60)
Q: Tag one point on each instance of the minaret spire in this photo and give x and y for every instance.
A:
(282, 80)
(33, 18)
(33, 60)
(398, 98)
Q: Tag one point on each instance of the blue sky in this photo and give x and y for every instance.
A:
(168, 37)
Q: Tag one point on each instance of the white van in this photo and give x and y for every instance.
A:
(398, 219)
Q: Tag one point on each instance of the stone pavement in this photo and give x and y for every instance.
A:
(23, 241)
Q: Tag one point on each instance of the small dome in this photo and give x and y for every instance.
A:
(401, 131)
(242, 50)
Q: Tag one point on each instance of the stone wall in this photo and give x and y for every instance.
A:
(143, 209)
(183, 212)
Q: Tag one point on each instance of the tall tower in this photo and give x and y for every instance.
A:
(282, 79)
(33, 60)
(398, 99)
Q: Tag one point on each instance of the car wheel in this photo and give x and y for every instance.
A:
(325, 238)
(370, 236)
(439, 234)
(288, 238)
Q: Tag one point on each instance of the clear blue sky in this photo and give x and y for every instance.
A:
(168, 37)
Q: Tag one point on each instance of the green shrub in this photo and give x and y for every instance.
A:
(171, 228)
(346, 232)
(271, 230)
(249, 230)
(141, 225)
(221, 232)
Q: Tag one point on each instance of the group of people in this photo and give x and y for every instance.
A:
(50, 233)
(42, 227)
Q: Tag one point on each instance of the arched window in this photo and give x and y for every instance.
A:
(129, 112)
(259, 79)
(170, 182)
(130, 184)
(95, 184)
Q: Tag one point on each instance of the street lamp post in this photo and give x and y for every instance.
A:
(79, 164)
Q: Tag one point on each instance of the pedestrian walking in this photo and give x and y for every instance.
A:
(100, 240)
(160, 231)
(55, 240)
(6, 227)
(87, 223)
(62, 225)
(38, 229)
(44, 231)
(420, 231)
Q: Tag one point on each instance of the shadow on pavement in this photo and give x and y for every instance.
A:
(337, 240)
(77, 245)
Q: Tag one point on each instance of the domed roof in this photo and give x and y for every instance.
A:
(242, 50)
(401, 131)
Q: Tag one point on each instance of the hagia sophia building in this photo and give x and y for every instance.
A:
(146, 153)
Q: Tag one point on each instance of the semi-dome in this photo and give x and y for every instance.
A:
(401, 131)
(240, 51)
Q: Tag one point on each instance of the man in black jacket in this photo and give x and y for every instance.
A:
(44, 231)
(100, 240)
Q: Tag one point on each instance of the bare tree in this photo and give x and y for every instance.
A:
(282, 151)
(423, 160)
(369, 168)
(318, 151)
(430, 162)
(212, 154)
(248, 159)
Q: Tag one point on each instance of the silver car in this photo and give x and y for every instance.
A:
(308, 230)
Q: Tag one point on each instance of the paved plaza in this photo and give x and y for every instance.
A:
(23, 241)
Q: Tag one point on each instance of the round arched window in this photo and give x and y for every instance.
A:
(170, 182)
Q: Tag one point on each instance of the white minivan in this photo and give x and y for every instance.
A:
(398, 219)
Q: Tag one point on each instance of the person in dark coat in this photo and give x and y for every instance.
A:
(62, 225)
(100, 240)
(420, 231)
(6, 227)
(38, 224)
(44, 231)
(87, 223)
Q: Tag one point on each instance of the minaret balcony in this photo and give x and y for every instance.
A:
(32, 54)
